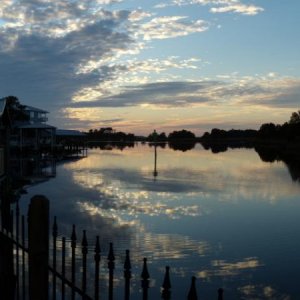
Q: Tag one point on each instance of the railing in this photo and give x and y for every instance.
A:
(32, 268)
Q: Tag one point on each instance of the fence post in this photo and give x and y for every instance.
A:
(7, 277)
(38, 247)
(111, 266)
(166, 293)
(145, 279)
(84, 251)
(54, 236)
(97, 258)
(73, 264)
(127, 275)
(192, 295)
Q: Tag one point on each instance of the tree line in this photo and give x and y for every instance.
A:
(288, 131)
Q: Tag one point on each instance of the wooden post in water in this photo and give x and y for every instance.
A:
(38, 247)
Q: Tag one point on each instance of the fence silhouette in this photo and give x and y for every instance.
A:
(38, 266)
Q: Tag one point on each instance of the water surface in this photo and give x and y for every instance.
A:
(229, 219)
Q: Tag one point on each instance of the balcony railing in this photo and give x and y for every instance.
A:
(38, 120)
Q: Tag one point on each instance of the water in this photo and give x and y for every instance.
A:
(229, 219)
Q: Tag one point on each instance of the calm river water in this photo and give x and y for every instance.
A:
(229, 219)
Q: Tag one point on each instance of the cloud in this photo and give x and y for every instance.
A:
(57, 52)
(238, 8)
(52, 18)
(166, 94)
(36, 63)
(236, 102)
(262, 91)
(218, 6)
(170, 27)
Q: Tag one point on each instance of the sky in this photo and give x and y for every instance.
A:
(167, 65)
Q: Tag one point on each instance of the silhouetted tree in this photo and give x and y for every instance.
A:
(181, 135)
(16, 110)
(109, 134)
(295, 118)
(267, 130)
(157, 137)
(218, 133)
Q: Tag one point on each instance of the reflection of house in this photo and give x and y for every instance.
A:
(33, 133)
(32, 169)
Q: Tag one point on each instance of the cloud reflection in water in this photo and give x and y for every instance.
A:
(192, 216)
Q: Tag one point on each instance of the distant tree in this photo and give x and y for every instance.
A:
(181, 135)
(109, 134)
(267, 130)
(157, 137)
(295, 118)
(182, 140)
(206, 135)
(218, 133)
(162, 137)
(152, 137)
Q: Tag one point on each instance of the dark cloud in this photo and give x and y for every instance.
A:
(161, 93)
(43, 69)
(288, 99)
(108, 121)
(278, 93)
(272, 93)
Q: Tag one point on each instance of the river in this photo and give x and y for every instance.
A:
(228, 218)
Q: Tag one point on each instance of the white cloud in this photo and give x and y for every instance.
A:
(170, 27)
(245, 91)
(132, 73)
(52, 18)
(218, 6)
(238, 8)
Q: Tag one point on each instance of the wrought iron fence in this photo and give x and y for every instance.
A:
(40, 267)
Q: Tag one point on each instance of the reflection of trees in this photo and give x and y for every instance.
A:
(215, 148)
(158, 145)
(267, 154)
(182, 145)
(111, 145)
(223, 146)
(294, 169)
(272, 154)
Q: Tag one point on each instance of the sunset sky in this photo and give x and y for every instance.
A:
(143, 65)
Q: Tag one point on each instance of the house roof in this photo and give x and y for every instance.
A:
(2, 106)
(31, 108)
